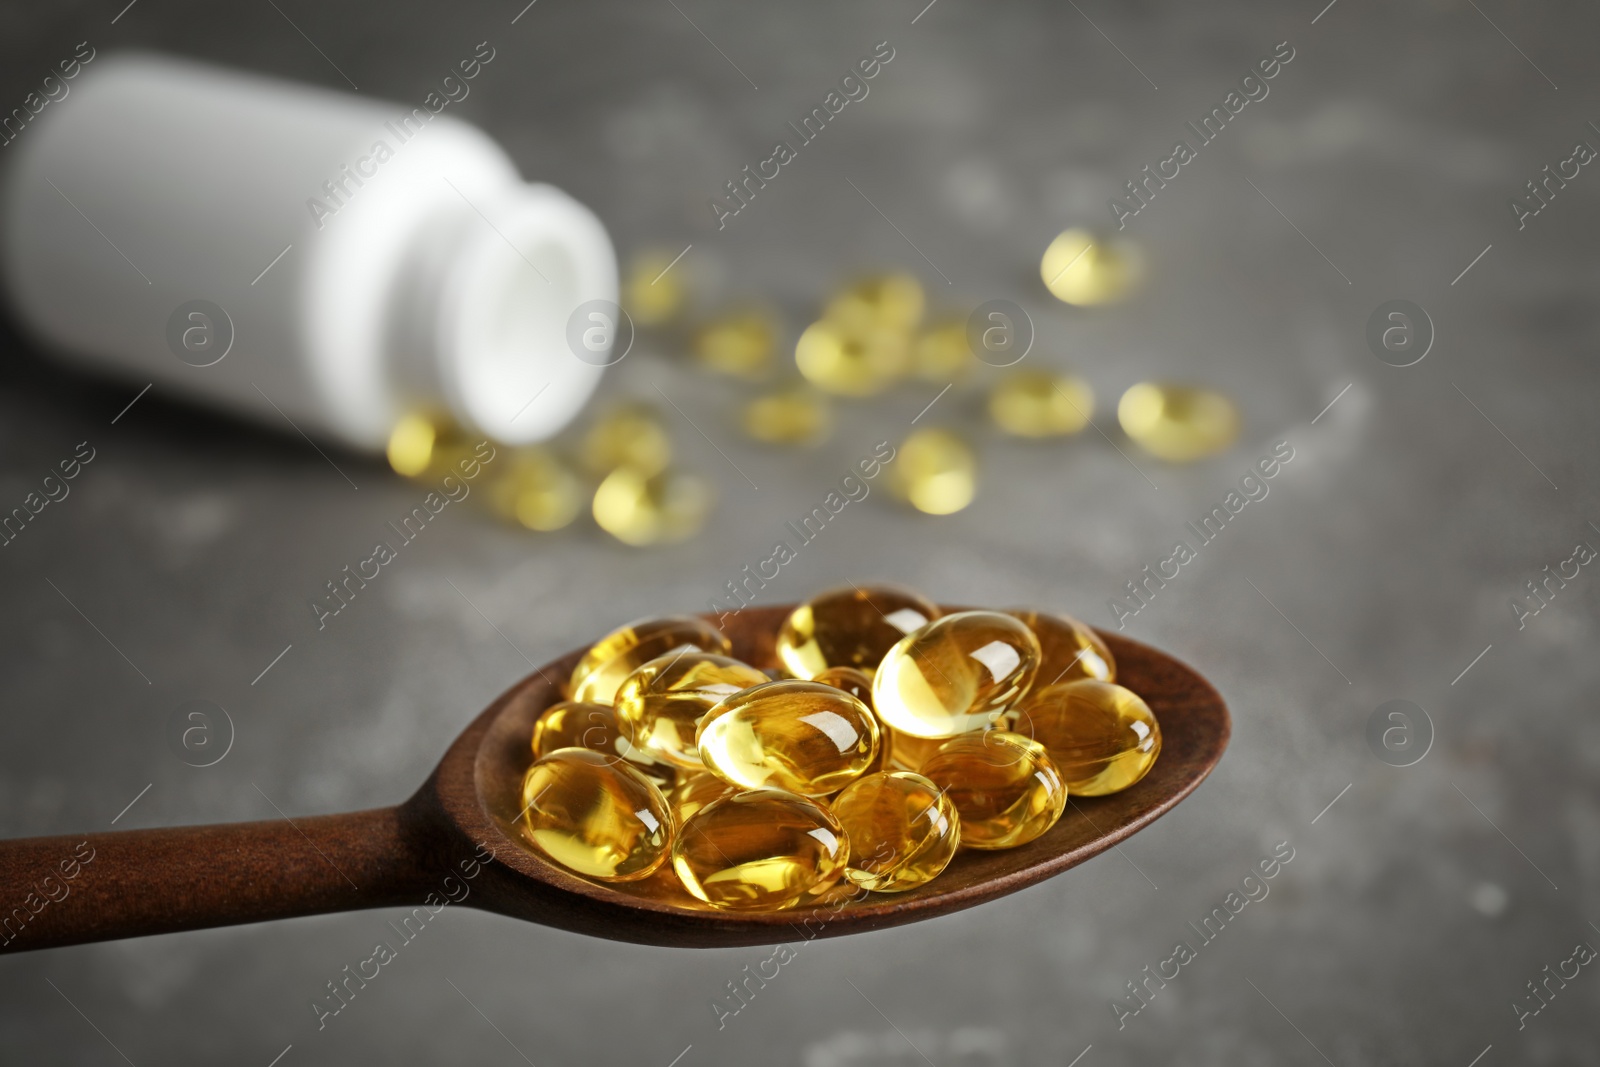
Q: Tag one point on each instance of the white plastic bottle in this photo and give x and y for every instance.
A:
(289, 251)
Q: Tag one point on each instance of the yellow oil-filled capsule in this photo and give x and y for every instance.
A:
(534, 487)
(1004, 786)
(797, 415)
(411, 443)
(639, 509)
(596, 815)
(893, 301)
(936, 472)
(1101, 736)
(801, 737)
(1069, 649)
(693, 791)
(903, 831)
(760, 850)
(1178, 423)
(741, 344)
(852, 361)
(853, 680)
(571, 724)
(1037, 403)
(426, 444)
(849, 627)
(660, 705)
(956, 675)
(907, 752)
(1080, 269)
(858, 684)
(630, 435)
(653, 293)
(942, 352)
(627, 648)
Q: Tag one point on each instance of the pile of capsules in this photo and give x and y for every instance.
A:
(895, 735)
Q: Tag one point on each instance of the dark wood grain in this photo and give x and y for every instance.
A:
(156, 881)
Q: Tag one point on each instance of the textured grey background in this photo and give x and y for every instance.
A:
(1408, 921)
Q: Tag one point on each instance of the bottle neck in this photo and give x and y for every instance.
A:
(483, 307)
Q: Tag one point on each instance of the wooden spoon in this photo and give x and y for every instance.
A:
(458, 840)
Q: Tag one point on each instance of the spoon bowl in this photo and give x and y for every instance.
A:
(458, 839)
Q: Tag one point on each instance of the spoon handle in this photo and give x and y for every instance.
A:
(97, 887)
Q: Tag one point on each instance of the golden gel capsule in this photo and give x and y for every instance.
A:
(693, 791)
(856, 682)
(411, 444)
(1069, 650)
(596, 816)
(902, 830)
(956, 675)
(852, 361)
(849, 627)
(1179, 423)
(893, 301)
(760, 850)
(536, 488)
(798, 415)
(627, 648)
(1004, 786)
(1036, 403)
(908, 752)
(1079, 269)
(942, 353)
(741, 344)
(428, 445)
(630, 435)
(661, 704)
(1102, 737)
(859, 685)
(571, 724)
(801, 737)
(639, 509)
(653, 293)
(936, 472)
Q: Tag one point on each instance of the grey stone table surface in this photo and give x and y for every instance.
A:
(1383, 564)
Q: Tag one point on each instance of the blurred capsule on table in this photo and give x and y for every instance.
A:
(1178, 423)
(852, 360)
(1080, 268)
(942, 352)
(627, 435)
(795, 415)
(742, 344)
(935, 473)
(534, 487)
(428, 445)
(654, 290)
(894, 301)
(1038, 403)
(639, 509)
